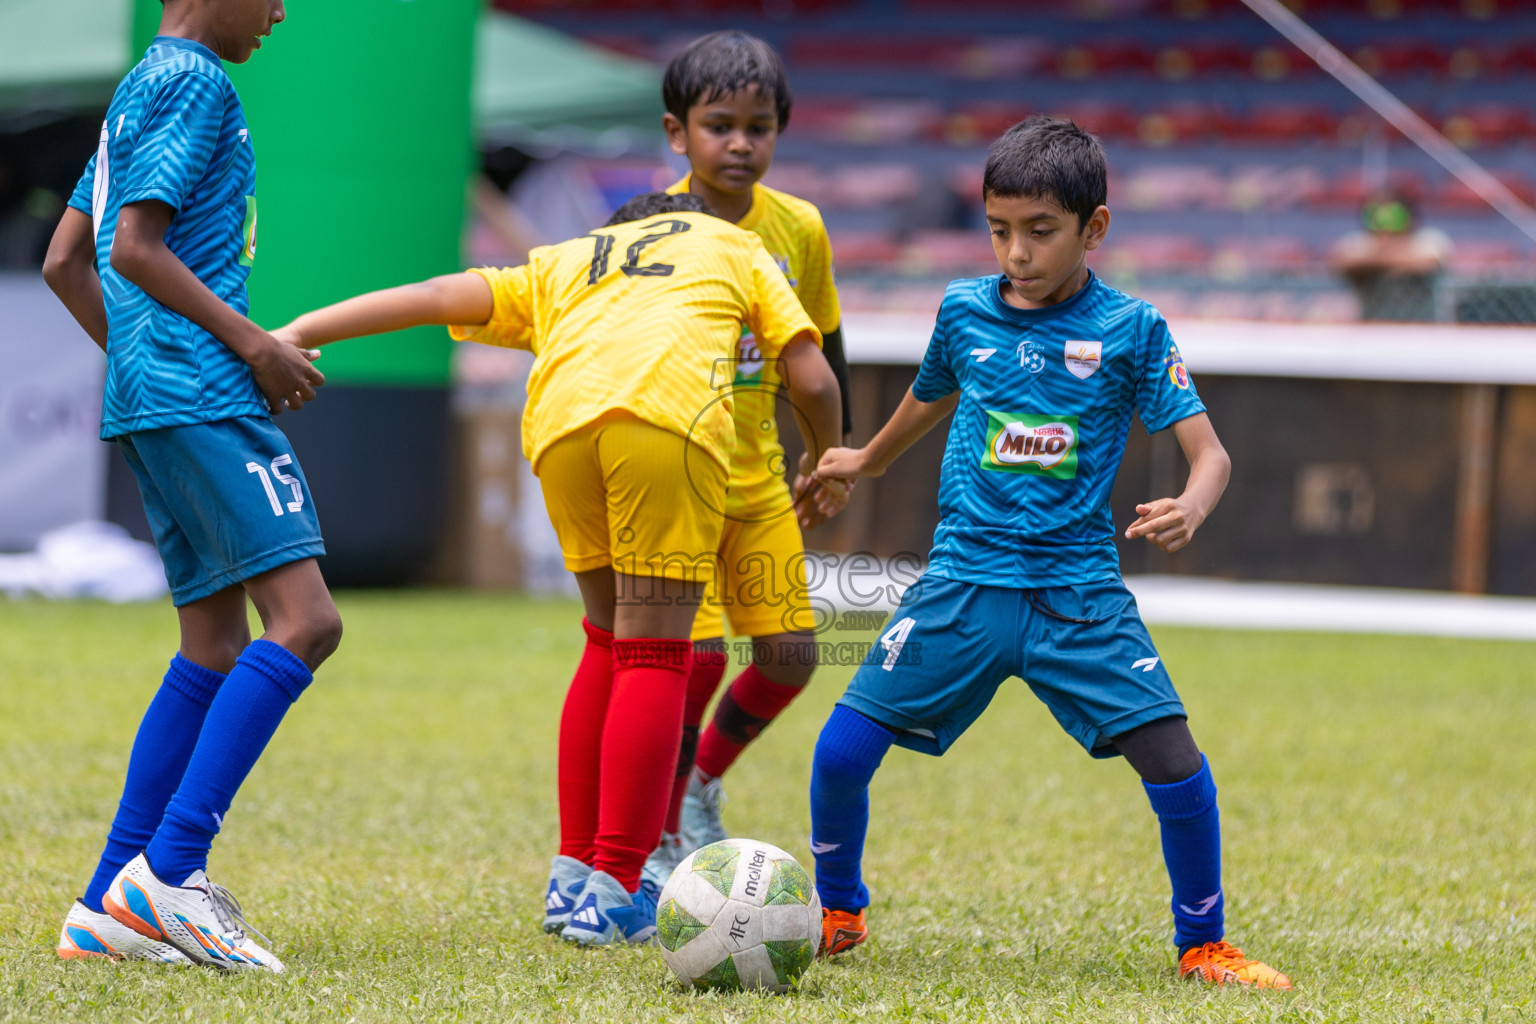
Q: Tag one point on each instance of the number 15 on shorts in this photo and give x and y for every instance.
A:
(291, 481)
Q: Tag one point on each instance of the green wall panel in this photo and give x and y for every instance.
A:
(360, 115)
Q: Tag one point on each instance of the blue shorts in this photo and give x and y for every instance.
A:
(226, 501)
(1082, 649)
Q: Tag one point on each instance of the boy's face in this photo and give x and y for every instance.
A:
(1040, 247)
(728, 142)
(238, 25)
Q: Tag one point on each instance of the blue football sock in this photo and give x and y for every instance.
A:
(241, 720)
(161, 750)
(848, 751)
(1191, 831)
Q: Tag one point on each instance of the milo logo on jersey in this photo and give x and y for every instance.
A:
(749, 359)
(248, 234)
(1030, 443)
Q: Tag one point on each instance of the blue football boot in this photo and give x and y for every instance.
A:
(567, 876)
(606, 915)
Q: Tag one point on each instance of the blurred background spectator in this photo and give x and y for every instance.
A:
(1393, 263)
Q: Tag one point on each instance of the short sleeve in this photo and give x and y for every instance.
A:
(1165, 393)
(935, 377)
(817, 291)
(774, 311)
(511, 324)
(174, 144)
(85, 188)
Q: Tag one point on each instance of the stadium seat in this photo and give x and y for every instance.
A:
(1172, 187)
(1452, 194)
(854, 186)
(1488, 124)
(864, 249)
(1285, 124)
(861, 50)
(1141, 253)
(1107, 57)
(1107, 120)
(963, 252)
(976, 123)
(1484, 257)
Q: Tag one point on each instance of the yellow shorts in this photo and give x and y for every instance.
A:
(761, 585)
(618, 495)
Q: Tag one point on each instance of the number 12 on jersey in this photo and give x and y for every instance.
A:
(602, 248)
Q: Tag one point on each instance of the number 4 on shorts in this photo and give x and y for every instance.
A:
(894, 639)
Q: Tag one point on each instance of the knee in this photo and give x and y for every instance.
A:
(316, 637)
(789, 660)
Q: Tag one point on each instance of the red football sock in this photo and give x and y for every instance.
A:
(640, 740)
(581, 735)
(745, 710)
(703, 680)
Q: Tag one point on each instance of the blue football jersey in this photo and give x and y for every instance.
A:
(1046, 398)
(175, 132)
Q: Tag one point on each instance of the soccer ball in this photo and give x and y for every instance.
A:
(739, 914)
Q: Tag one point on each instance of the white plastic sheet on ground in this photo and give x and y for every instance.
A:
(90, 560)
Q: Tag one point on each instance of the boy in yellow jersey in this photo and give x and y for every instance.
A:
(727, 99)
(631, 440)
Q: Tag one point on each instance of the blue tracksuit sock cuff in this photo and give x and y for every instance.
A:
(1188, 799)
(193, 681)
(280, 665)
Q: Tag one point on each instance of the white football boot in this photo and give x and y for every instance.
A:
(664, 859)
(699, 821)
(567, 877)
(200, 918)
(87, 935)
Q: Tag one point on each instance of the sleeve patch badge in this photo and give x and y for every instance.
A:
(1177, 372)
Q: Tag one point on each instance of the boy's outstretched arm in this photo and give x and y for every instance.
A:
(139, 253)
(449, 299)
(1171, 522)
(70, 270)
(817, 400)
(911, 420)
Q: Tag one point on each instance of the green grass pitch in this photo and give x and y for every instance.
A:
(1378, 796)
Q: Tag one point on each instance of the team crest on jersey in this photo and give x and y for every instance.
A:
(248, 234)
(1083, 357)
(783, 262)
(1177, 372)
(1030, 357)
(1041, 445)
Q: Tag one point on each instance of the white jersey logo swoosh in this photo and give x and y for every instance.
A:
(1205, 906)
(1145, 664)
(982, 354)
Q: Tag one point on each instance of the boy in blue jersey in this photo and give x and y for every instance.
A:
(1043, 367)
(151, 258)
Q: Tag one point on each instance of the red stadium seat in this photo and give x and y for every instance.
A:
(1182, 122)
(976, 123)
(1106, 120)
(1204, 58)
(1479, 257)
(1286, 123)
(861, 50)
(864, 249)
(1107, 57)
(855, 186)
(1488, 124)
(803, 180)
(954, 251)
(1452, 193)
(1141, 253)
(1171, 187)
(1278, 61)
(1401, 58)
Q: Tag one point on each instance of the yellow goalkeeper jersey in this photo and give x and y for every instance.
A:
(795, 237)
(642, 317)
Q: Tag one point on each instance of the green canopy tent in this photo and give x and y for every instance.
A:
(534, 87)
(60, 56)
(543, 91)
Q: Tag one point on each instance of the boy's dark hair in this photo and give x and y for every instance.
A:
(719, 64)
(1048, 158)
(649, 204)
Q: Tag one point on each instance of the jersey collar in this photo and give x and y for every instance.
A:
(1035, 316)
(183, 43)
(754, 212)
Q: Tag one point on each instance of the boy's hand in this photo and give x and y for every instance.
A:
(817, 499)
(285, 375)
(1169, 523)
(846, 464)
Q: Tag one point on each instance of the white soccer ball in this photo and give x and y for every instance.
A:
(739, 914)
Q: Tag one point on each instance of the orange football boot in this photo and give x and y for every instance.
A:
(1221, 963)
(841, 931)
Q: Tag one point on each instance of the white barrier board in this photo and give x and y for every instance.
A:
(52, 467)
